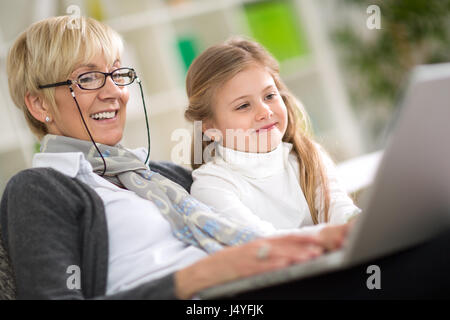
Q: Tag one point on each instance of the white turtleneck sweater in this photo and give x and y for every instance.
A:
(262, 190)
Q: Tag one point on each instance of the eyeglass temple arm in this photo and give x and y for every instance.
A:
(59, 84)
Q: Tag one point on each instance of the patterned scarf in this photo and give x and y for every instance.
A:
(191, 221)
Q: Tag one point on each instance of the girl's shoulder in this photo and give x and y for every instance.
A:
(212, 169)
(324, 155)
(212, 174)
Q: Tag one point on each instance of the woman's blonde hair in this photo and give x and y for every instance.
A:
(221, 62)
(48, 52)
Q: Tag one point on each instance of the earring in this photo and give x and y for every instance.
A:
(47, 119)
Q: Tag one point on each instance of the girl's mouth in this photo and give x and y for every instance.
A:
(268, 127)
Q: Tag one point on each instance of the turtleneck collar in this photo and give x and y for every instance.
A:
(255, 165)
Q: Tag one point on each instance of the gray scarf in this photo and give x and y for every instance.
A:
(192, 222)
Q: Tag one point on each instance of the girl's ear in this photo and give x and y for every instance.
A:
(206, 126)
(36, 107)
(210, 131)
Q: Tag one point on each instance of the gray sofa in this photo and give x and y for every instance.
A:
(7, 284)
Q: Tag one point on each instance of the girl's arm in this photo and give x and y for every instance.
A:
(342, 208)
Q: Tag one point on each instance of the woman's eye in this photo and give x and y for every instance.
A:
(243, 106)
(89, 78)
(86, 79)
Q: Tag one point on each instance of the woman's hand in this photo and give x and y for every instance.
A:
(233, 263)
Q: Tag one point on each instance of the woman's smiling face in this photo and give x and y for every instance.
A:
(249, 111)
(110, 101)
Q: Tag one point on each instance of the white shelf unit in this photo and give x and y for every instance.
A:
(150, 29)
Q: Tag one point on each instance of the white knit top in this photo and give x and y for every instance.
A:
(263, 190)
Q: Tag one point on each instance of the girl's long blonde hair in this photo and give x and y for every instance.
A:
(221, 62)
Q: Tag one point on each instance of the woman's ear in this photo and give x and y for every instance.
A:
(36, 107)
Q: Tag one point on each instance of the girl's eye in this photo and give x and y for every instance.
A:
(270, 96)
(243, 106)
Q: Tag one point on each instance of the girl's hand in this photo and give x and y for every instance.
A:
(233, 263)
(332, 237)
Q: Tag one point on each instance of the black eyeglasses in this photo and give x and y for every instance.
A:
(94, 80)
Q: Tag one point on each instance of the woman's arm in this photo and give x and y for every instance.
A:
(238, 262)
(41, 213)
(40, 216)
(40, 229)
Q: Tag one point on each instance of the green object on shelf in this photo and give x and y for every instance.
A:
(273, 24)
(187, 45)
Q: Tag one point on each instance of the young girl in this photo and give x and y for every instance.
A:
(265, 170)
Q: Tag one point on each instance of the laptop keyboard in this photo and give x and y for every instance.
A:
(297, 271)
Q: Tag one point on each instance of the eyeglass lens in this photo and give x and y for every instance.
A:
(95, 79)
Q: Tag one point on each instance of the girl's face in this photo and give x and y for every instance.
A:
(111, 99)
(249, 112)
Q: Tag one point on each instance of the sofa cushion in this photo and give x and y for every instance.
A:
(7, 285)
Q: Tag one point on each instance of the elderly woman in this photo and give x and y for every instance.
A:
(90, 220)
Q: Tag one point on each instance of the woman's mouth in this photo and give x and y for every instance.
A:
(106, 116)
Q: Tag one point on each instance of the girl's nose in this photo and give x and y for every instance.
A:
(263, 111)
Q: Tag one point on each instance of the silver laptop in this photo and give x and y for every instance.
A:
(409, 200)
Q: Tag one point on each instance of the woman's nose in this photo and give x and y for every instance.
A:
(263, 111)
(110, 89)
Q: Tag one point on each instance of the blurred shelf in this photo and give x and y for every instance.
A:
(12, 145)
(156, 104)
(358, 173)
(168, 14)
(153, 31)
(8, 144)
(298, 69)
(3, 52)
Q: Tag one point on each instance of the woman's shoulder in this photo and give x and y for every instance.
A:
(39, 195)
(39, 175)
(35, 183)
(35, 176)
